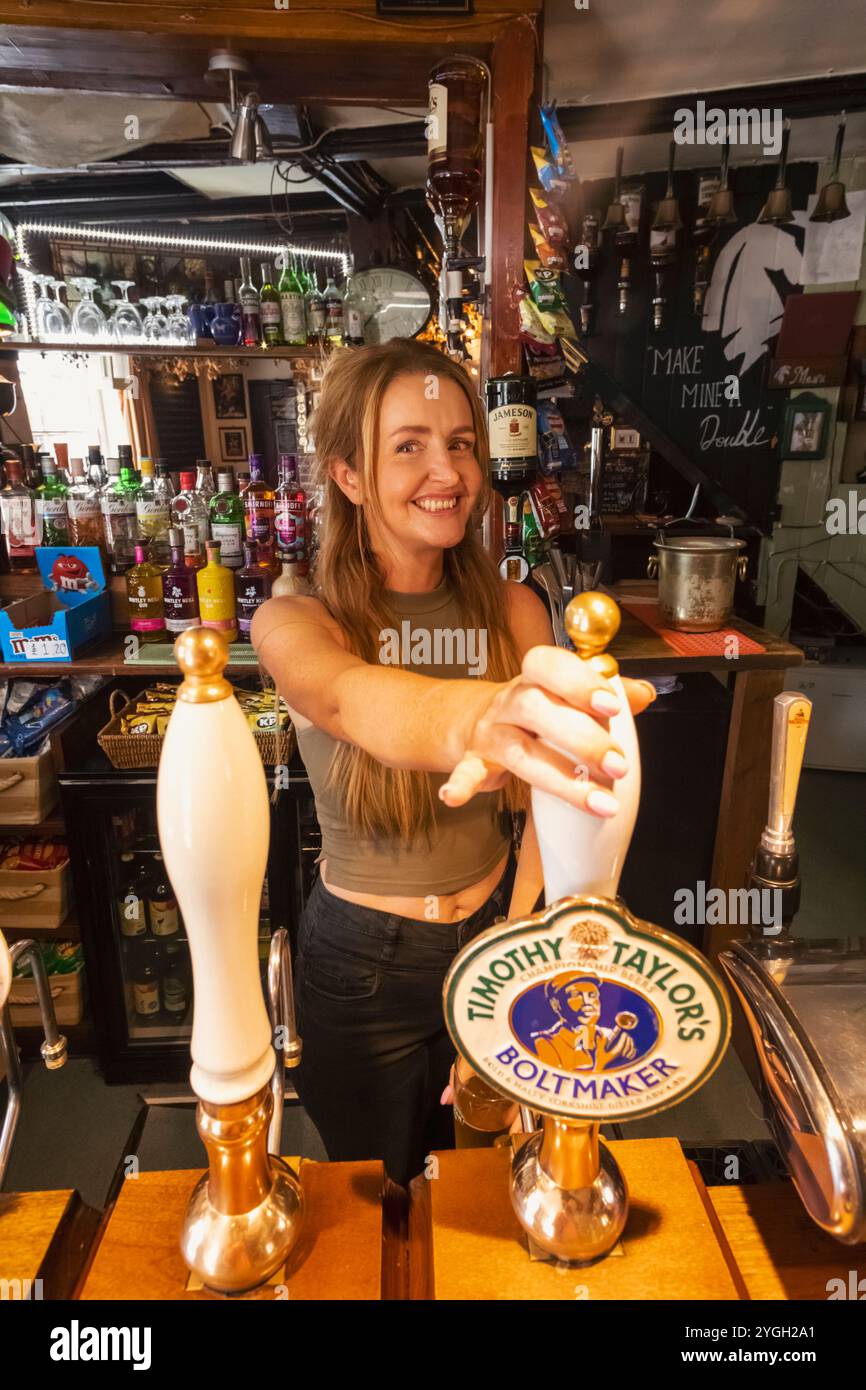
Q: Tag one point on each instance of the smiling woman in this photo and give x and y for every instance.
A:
(416, 755)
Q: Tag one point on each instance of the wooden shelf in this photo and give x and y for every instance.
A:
(106, 659)
(69, 930)
(51, 825)
(307, 354)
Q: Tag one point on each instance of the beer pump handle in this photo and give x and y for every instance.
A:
(791, 714)
(582, 855)
(214, 827)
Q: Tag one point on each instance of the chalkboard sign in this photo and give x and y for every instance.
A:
(177, 417)
(703, 379)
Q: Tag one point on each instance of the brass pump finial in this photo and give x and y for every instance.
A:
(592, 621)
(202, 654)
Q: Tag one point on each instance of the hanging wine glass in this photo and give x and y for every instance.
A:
(88, 322)
(62, 309)
(125, 323)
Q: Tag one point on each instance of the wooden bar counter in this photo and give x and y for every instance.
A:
(45, 1241)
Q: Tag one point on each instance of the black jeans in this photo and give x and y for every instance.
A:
(376, 1053)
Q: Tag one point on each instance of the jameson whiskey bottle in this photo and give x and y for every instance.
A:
(271, 313)
(227, 520)
(251, 316)
(512, 428)
(455, 137)
(292, 304)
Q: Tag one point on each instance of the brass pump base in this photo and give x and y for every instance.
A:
(245, 1214)
(568, 1192)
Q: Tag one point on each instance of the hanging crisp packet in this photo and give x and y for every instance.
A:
(554, 446)
(557, 144)
(550, 218)
(532, 330)
(552, 257)
(545, 287)
(547, 176)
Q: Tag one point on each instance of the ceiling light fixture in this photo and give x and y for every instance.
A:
(251, 140)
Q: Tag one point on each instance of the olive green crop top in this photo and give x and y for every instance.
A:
(465, 842)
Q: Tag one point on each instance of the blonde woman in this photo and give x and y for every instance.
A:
(423, 688)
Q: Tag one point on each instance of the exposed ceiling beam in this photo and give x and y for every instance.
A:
(822, 96)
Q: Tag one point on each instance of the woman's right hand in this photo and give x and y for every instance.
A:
(559, 699)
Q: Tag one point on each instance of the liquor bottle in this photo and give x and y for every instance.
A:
(243, 480)
(18, 511)
(272, 318)
(32, 473)
(61, 455)
(176, 978)
(292, 304)
(131, 901)
(512, 428)
(251, 314)
(82, 505)
(204, 483)
(455, 140)
(259, 511)
(334, 317)
(353, 315)
(179, 588)
(209, 295)
(216, 595)
(145, 981)
(152, 514)
(117, 503)
(317, 314)
(162, 914)
(144, 593)
(290, 510)
(290, 580)
(96, 469)
(52, 517)
(252, 588)
(189, 514)
(226, 513)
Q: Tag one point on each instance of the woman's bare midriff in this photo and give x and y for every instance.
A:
(441, 907)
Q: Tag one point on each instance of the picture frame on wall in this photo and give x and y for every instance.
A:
(233, 445)
(805, 427)
(229, 397)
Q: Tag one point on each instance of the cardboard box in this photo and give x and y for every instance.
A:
(28, 788)
(70, 612)
(35, 898)
(67, 991)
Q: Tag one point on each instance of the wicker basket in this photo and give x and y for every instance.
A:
(143, 750)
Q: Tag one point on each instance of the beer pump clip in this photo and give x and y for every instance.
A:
(582, 1013)
(245, 1215)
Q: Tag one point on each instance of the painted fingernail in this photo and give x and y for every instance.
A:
(648, 685)
(614, 764)
(604, 702)
(602, 803)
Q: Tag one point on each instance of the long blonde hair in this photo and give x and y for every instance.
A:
(380, 800)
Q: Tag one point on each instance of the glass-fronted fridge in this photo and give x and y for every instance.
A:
(133, 934)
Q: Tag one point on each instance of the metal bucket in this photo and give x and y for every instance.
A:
(696, 577)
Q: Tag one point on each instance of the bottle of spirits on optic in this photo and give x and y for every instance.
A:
(251, 313)
(292, 304)
(272, 317)
(97, 471)
(179, 589)
(216, 595)
(334, 317)
(512, 427)
(259, 512)
(152, 514)
(455, 137)
(290, 510)
(18, 512)
(252, 588)
(52, 517)
(204, 483)
(353, 316)
(226, 513)
(117, 503)
(144, 593)
(317, 314)
(82, 505)
(189, 514)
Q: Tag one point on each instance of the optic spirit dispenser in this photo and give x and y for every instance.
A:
(582, 1014)
(245, 1215)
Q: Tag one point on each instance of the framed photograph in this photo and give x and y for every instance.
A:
(805, 427)
(233, 445)
(229, 397)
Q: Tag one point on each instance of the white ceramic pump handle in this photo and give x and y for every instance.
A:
(582, 855)
(212, 807)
